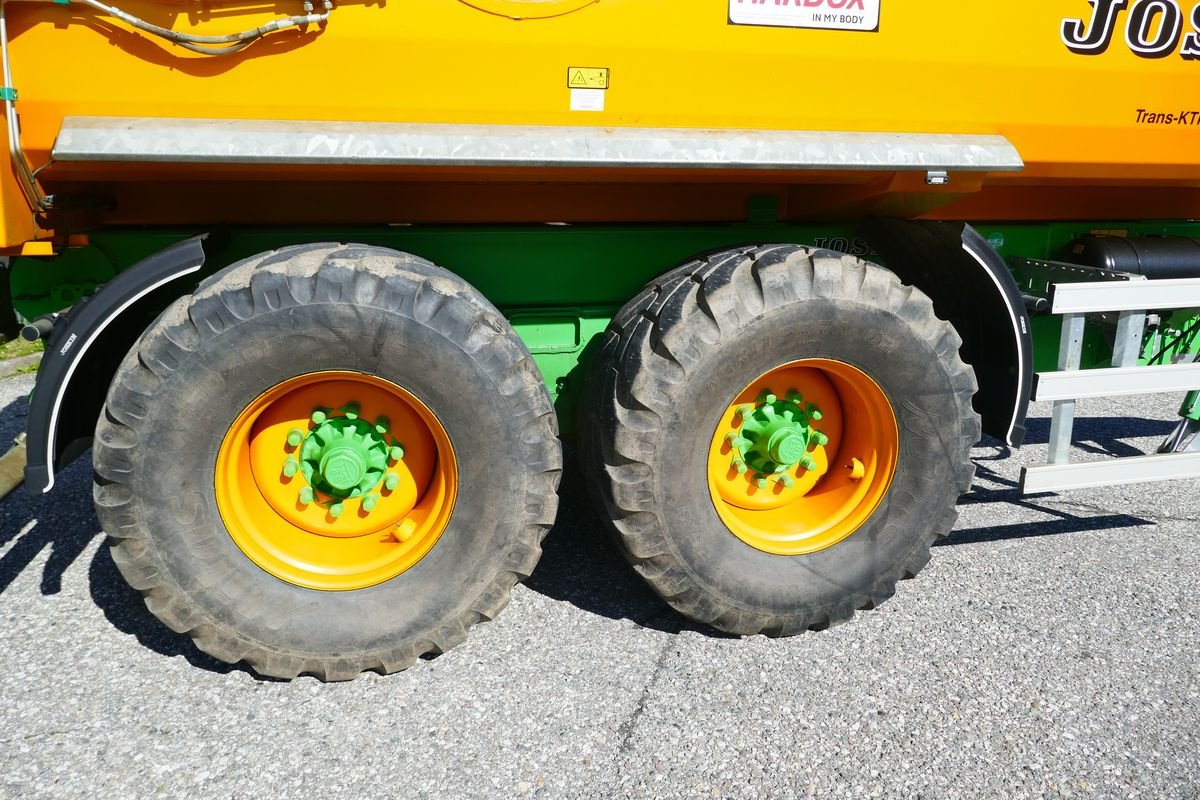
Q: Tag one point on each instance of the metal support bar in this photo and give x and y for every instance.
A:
(12, 467)
(1178, 457)
(1062, 420)
(1191, 406)
(1110, 472)
(1088, 298)
(1127, 347)
(1115, 382)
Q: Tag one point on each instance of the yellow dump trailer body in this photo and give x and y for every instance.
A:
(1100, 101)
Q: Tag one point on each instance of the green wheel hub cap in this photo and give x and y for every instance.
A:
(776, 436)
(343, 456)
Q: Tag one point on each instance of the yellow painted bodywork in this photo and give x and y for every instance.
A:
(932, 67)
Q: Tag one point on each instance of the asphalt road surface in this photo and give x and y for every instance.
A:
(1049, 649)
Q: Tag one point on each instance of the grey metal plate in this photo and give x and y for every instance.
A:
(1081, 384)
(1110, 472)
(216, 141)
(1135, 295)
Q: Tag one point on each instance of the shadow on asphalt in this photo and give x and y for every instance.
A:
(62, 524)
(65, 524)
(580, 565)
(125, 610)
(1006, 490)
(1102, 435)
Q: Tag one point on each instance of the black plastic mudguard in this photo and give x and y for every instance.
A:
(83, 353)
(971, 288)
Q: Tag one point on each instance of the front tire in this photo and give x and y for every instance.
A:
(664, 441)
(363, 363)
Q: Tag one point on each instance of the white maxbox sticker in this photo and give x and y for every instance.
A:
(840, 15)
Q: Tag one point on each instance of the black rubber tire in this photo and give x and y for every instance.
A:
(295, 311)
(675, 357)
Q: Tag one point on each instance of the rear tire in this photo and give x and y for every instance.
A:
(693, 342)
(288, 316)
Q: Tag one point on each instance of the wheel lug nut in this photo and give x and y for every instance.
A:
(295, 437)
(391, 481)
(291, 467)
(319, 415)
(306, 495)
(794, 396)
(770, 399)
(382, 425)
(336, 509)
(820, 438)
(814, 413)
(808, 463)
(369, 502)
(397, 452)
(787, 481)
(760, 481)
(740, 466)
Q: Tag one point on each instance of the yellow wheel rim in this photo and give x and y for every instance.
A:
(802, 457)
(336, 480)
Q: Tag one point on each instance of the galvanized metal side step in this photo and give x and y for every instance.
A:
(1132, 299)
(230, 141)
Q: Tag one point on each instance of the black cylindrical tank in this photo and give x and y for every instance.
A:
(1152, 256)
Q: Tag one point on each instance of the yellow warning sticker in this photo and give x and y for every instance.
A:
(587, 77)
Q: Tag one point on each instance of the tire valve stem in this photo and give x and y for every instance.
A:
(857, 470)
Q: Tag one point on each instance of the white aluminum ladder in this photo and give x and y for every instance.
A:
(1131, 300)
